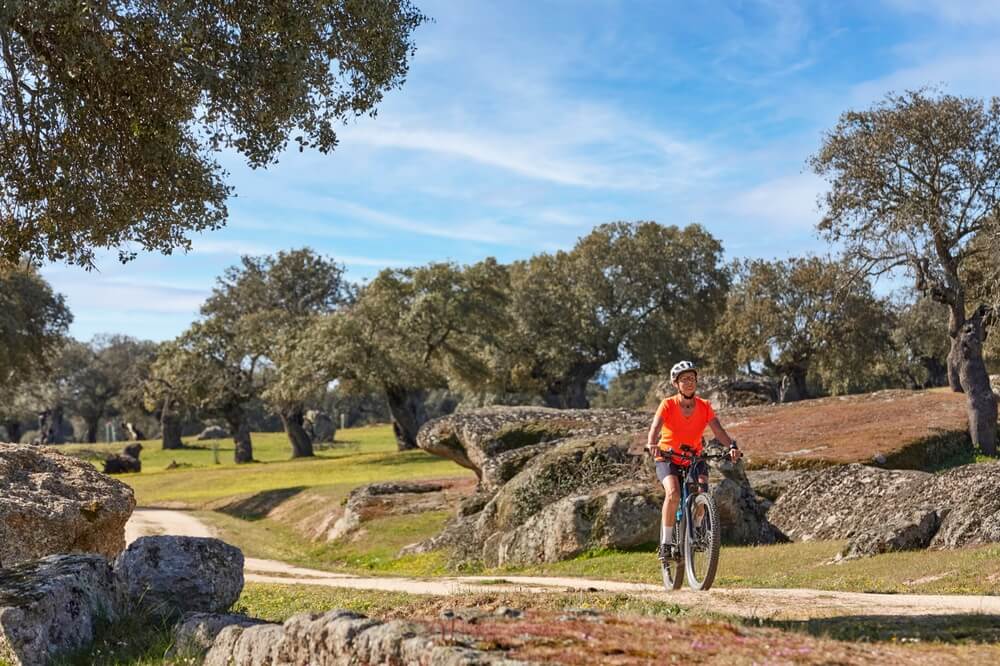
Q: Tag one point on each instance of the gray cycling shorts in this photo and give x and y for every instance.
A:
(666, 467)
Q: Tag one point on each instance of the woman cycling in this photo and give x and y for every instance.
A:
(680, 421)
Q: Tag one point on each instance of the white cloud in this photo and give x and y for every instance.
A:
(975, 12)
(786, 201)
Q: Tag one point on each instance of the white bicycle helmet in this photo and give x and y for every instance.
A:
(680, 368)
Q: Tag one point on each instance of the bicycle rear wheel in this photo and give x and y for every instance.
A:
(701, 550)
(673, 569)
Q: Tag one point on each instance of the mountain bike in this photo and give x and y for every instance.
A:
(696, 534)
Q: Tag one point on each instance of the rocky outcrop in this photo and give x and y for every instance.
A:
(722, 392)
(126, 462)
(342, 637)
(195, 633)
(884, 510)
(496, 442)
(52, 605)
(168, 576)
(575, 494)
(380, 499)
(617, 517)
(51, 503)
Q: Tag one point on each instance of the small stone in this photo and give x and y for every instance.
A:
(878, 459)
(509, 613)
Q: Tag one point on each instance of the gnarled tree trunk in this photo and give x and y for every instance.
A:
(236, 420)
(570, 392)
(293, 418)
(408, 412)
(956, 319)
(13, 428)
(793, 385)
(91, 435)
(50, 426)
(981, 401)
(170, 425)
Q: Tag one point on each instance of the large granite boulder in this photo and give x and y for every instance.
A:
(583, 493)
(496, 442)
(168, 576)
(616, 517)
(340, 637)
(880, 510)
(51, 503)
(51, 606)
(721, 391)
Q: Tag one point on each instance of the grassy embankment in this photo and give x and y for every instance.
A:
(268, 509)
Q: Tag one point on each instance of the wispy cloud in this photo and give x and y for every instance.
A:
(962, 12)
(787, 201)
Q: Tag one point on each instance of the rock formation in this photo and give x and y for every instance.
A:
(554, 484)
(126, 462)
(882, 510)
(171, 575)
(342, 637)
(51, 503)
(52, 605)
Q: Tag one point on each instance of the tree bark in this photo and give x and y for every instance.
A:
(50, 426)
(241, 435)
(937, 372)
(793, 385)
(406, 407)
(13, 428)
(293, 419)
(91, 434)
(956, 319)
(981, 401)
(570, 392)
(170, 425)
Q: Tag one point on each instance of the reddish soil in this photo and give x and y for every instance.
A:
(552, 637)
(844, 429)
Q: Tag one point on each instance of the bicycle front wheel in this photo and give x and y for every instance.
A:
(673, 569)
(702, 542)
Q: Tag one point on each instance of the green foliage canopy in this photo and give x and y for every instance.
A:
(637, 293)
(112, 111)
(802, 316)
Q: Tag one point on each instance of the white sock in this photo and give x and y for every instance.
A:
(666, 534)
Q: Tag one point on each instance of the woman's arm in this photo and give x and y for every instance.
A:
(723, 436)
(654, 431)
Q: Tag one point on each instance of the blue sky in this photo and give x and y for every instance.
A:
(522, 125)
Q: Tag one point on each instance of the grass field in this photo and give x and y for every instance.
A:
(267, 508)
(359, 456)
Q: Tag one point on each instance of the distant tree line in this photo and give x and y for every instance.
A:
(915, 183)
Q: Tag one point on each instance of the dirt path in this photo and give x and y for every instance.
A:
(746, 602)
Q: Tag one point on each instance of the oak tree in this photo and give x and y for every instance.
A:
(913, 181)
(113, 112)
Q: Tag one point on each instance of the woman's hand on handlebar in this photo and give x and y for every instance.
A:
(734, 452)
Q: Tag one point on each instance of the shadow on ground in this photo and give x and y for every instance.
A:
(968, 628)
(259, 505)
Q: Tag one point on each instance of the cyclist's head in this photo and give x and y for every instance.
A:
(685, 372)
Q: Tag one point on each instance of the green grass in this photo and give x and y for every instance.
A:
(374, 552)
(974, 570)
(359, 456)
(277, 603)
